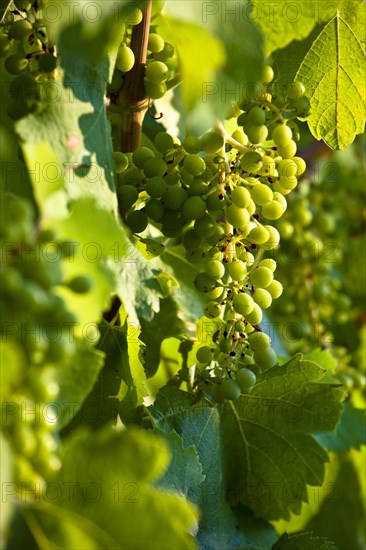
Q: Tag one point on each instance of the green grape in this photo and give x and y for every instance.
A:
(237, 270)
(243, 304)
(154, 210)
(256, 315)
(23, 86)
(211, 142)
(257, 116)
(215, 269)
(259, 340)
(155, 187)
(205, 226)
(17, 109)
(269, 166)
(301, 165)
(154, 167)
(280, 198)
(287, 151)
(270, 263)
(275, 289)
(164, 142)
(295, 91)
(81, 284)
(212, 310)
(172, 179)
(191, 144)
(194, 165)
(251, 162)
(132, 15)
(230, 389)
(286, 228)
(240, 197)
(257, 134)
(116, 83)
(274, 237)
(238, 217)
(15, 63)
(258, 235)
(155, 43)
(20, 29)
(47, 63)
(166, 53)
(261, 277)
(281, 135)
(267, 74)
(289, 183)
(120, 162)
(141, 155)
(137, 221)
(174, 198)
(194, 208)
(302, 107)
(287, 168)
(246, 379)
(273, 210)
(266, 358)
(240, 136)
(261, 194)
(155, 91)
(156, 72)
(262, 297)
(216, 393)
(204, 283)
(5, 45)
(216, 201)
(204, 354)
(197, 187)
(125, 59)
(127, 196)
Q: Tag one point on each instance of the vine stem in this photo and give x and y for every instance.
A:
(134, 105)
(132, 98)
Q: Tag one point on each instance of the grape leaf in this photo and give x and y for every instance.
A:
(122, 471)
(305, 541)
(267, 441)
(165, 324)
(333, 74)
(282, 22)
(342, 513)
(225, 33)
(198, 424)
(350, 432)
(76, 379)
(184, 471)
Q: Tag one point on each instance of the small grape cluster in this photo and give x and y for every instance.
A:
(318, 308)
(39, 325)
(30, 56)
(219, 194)
(161, 62)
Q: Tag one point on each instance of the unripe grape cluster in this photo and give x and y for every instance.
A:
(29, 56)
(218, 195)
(323, 220)
(36, 323)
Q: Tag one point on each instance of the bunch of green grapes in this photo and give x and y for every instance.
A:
(324, 217)
(36, 321)
(219, 194)
(29, 56)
